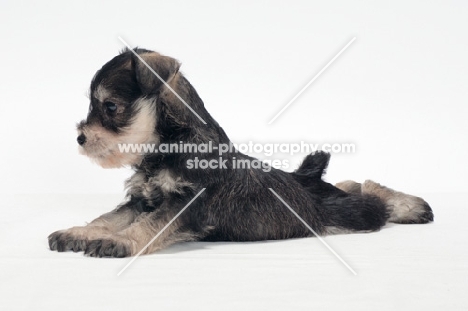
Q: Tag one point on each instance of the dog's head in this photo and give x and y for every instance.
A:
(124, 96)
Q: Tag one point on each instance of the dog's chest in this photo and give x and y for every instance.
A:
(162, 184)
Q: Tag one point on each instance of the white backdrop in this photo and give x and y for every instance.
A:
(399, 92)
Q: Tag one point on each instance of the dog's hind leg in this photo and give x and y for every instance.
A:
(346, 213)
(349, 206)
(349, 186)
(402, 208)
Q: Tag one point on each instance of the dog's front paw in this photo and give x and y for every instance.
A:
(110, 247)
(65, 240)
(76, 238)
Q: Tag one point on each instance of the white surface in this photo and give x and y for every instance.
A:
(402, 267)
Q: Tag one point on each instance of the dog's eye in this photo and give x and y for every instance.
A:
(110, 107)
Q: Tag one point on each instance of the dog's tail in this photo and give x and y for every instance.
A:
(314, 165)
(355, 207)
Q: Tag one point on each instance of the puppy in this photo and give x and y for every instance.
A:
(131, 105)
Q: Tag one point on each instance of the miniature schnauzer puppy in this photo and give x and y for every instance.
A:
(130, 104)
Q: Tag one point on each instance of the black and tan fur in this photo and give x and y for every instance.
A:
(129, 104)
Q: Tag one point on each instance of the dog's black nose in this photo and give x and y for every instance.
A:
(81, 139)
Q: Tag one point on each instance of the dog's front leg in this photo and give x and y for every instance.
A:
(76, 238)
(136, 237)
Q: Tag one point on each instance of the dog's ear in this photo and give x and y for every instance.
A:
(164, 66)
